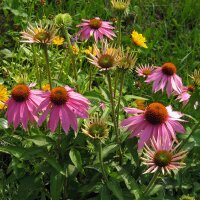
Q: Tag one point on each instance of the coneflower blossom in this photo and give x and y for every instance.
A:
(165, 76)
(96, 27)
(22, 105)
(162, 156)
(155, 121)
(185, 95)
(63, 104)
(106, 58)
(39, 34)
(144, 70)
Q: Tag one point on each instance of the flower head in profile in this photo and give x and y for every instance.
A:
(58, 40)
(96, 128)
(162, 156)
(144, 70)
(155, 121)
(75, 49)
(39, 34)
(127, 59)
(185, 94)
(196, 77)
(46, 87)
(120, 5)
(22, 105)
(138, 39)
(106, 58)
(165, 76)
(3, 96)
(140, 104)
(64, 105)
(96, 27)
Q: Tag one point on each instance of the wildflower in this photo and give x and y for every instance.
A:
(156, 120)
(106, 58)
(58, 40)
(139, 39)
(127, 59)
(161, 156)
(196, 77)
(144, 70)
(22, 105)
(3, 96)
(196, 105)
(63, 104)
(96, 128)
(46, 87)
(96, 27)
(75, 49)
(39, 34)
(63, 19)
(185, 95)
(140, 104)
(120, 5)
(90, 50)
(165, 76)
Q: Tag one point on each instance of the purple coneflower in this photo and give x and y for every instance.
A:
(162, 156)
(65, 105)
(96, 27)
(144, 70)
(165, 76)
(22, 105)
(156, 120)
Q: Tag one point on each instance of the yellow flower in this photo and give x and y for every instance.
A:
(140, 104)
(46, 87)
(75, 49)
(196, 77)
(139, 39)
(89, 50)
(3, 96)
(58, 40)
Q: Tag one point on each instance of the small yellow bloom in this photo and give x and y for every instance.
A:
(75, 49)
(140, 104)
(58, 40)
(89, 50)
(139, 39)
(3, 96)
(46, 87)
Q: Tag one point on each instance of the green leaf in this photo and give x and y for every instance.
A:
(115, 188)
(129, 182)
(75, 157)
(56, 185)
(40, 140)
(105, 195)
(132, 147)
(94, 96)
(3, 123)
(109, 149)
(130, 97)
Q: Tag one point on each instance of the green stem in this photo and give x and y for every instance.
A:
(101, 162)
(120, 95)
(119, 37)
(151, 183)
(38, 72)
(47, 64)
(112, 105)
(186, 140)
(71, 54)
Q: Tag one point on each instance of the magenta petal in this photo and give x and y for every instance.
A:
(54, 118)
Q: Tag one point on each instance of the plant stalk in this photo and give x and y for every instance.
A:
(47, 64)
(119, 37)
(101, 162)
(151, 183)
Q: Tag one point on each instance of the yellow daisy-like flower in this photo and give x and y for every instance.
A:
(3, 96)
(46, 87)
(89, 50)
(75, 49)
(58, 40)
(139, 39)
